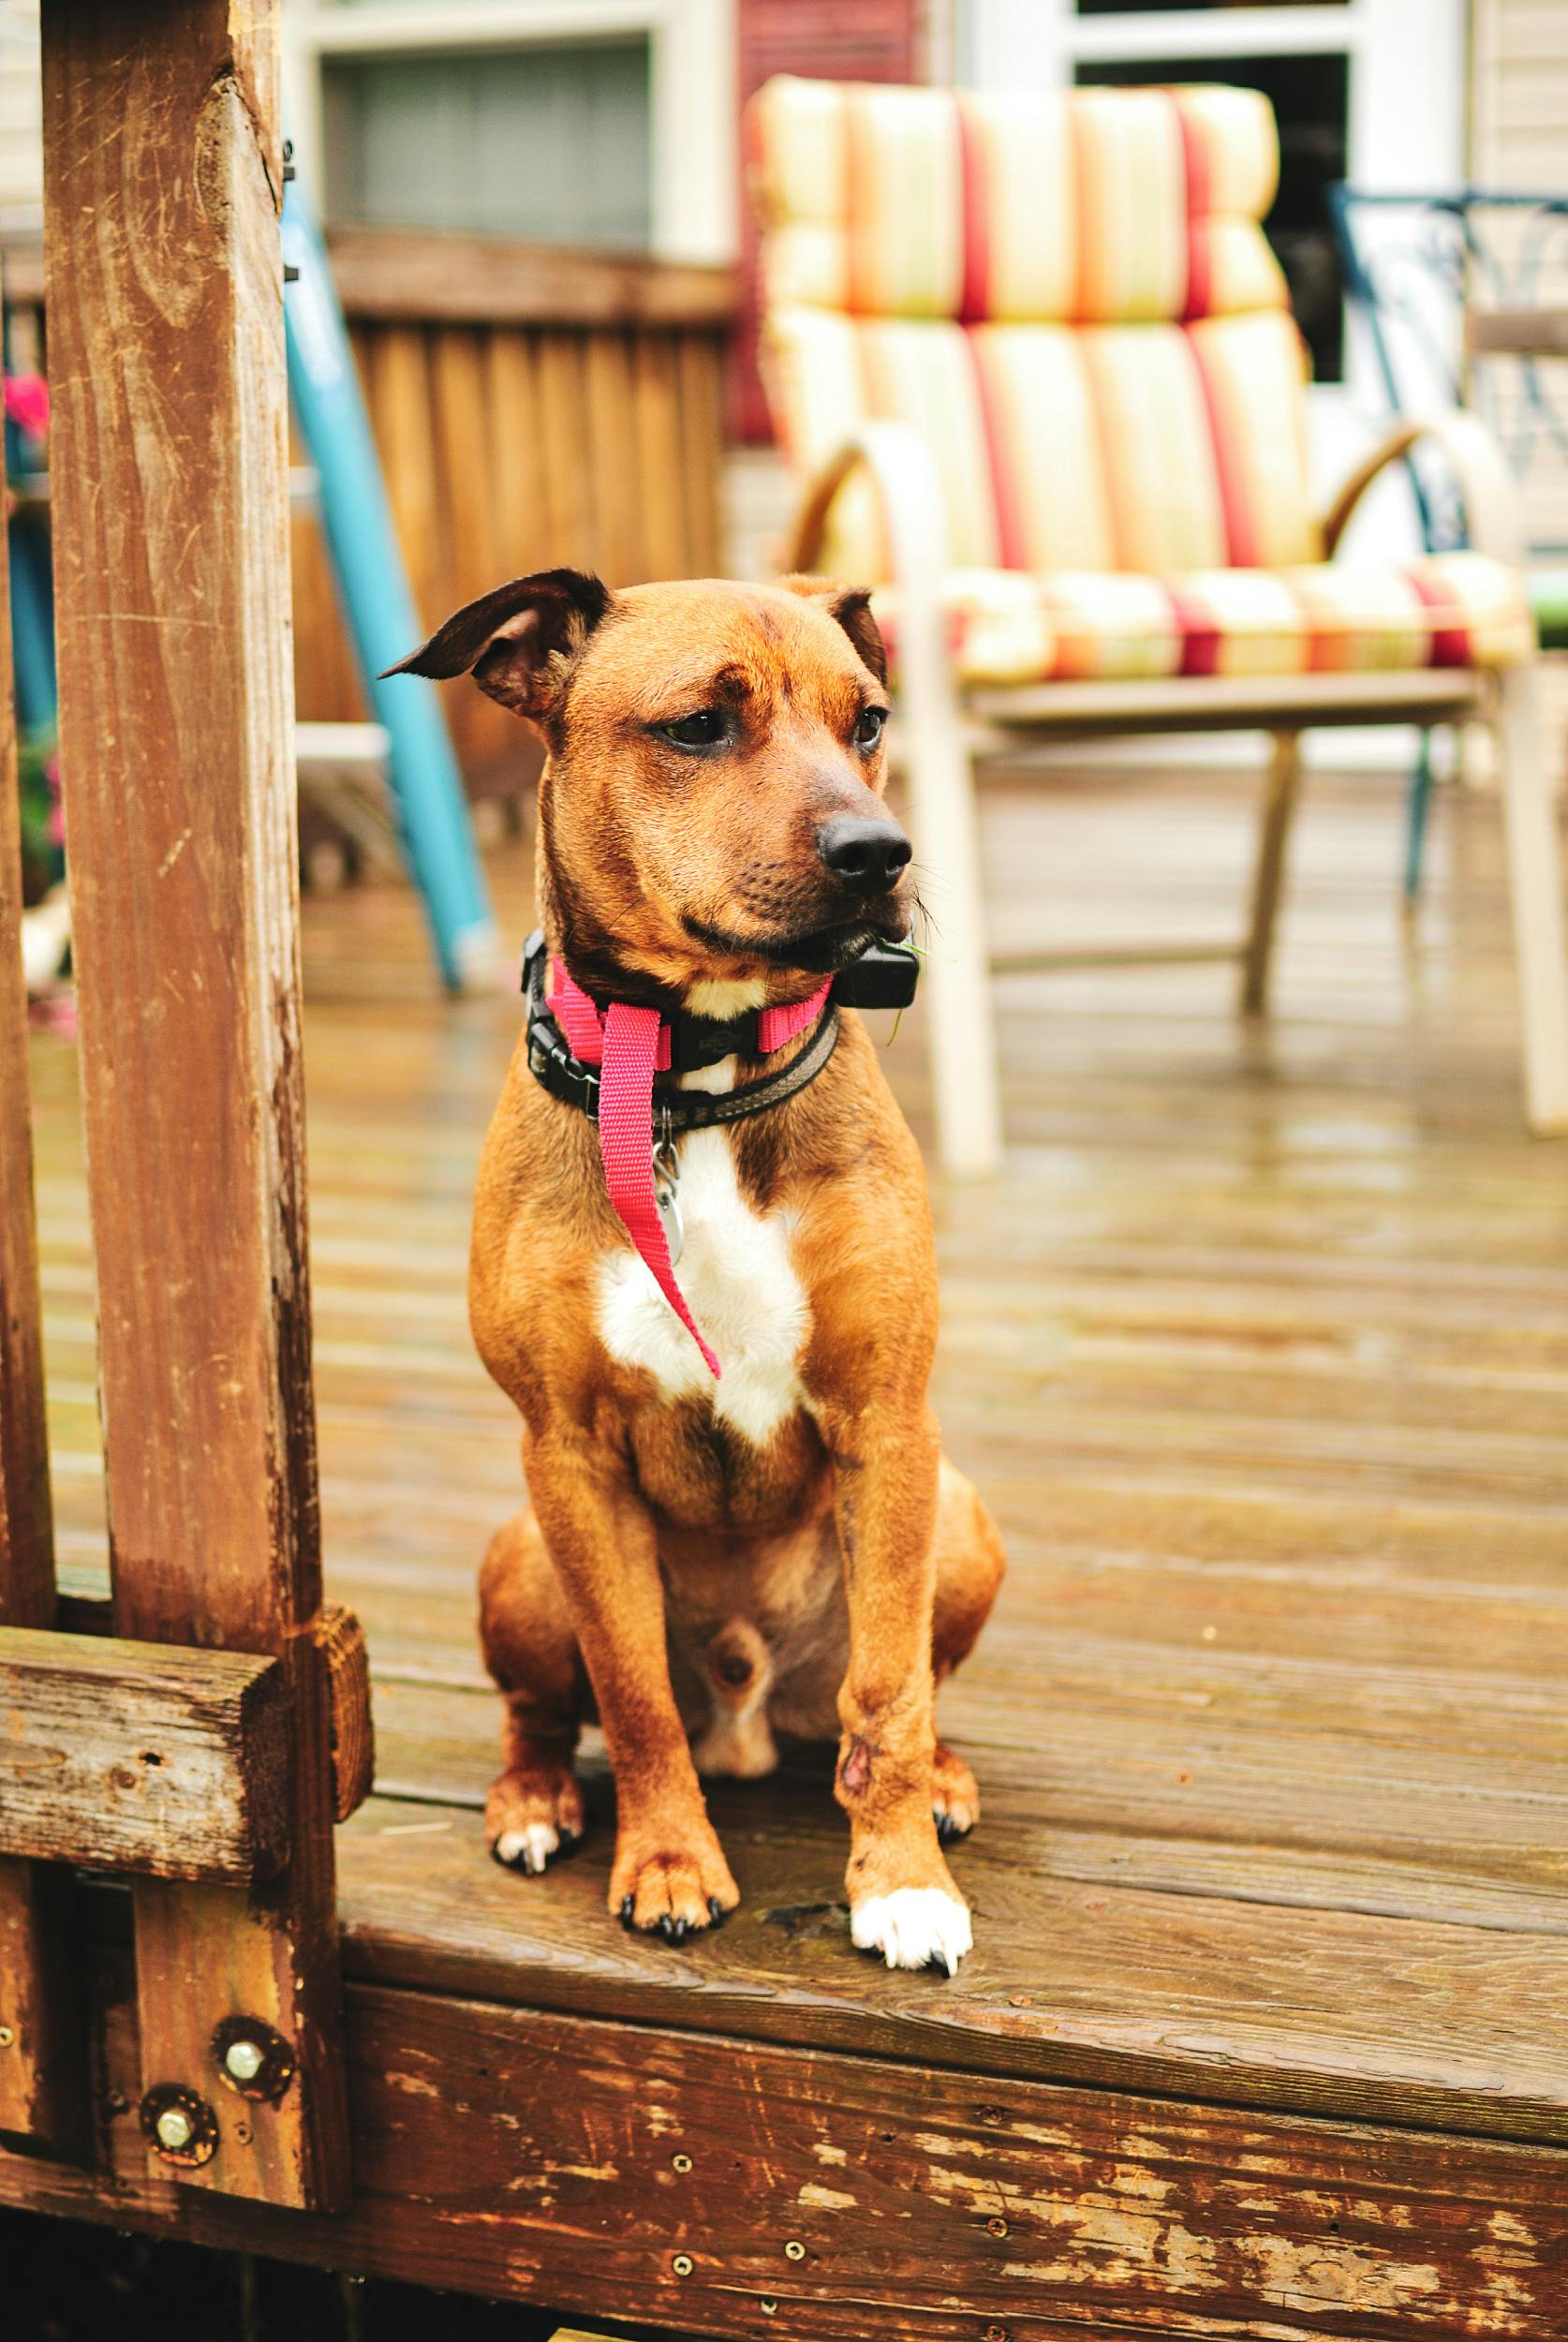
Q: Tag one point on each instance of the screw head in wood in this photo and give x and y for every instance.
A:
(252, 2059)
(680, 2163)
(768, 2307)
(681, 2265)
(794, 2250)
(996, 2225)
(179, 2125)
(7, 2036)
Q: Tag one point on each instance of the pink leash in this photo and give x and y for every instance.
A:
(630, 1045)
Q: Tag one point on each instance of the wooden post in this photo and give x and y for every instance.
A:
(39, 2030)
(162, 176)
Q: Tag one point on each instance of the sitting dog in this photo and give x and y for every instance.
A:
(702, 1264)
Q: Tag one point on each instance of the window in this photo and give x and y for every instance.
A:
(551, 141)
(1309, 96)
(591, 122)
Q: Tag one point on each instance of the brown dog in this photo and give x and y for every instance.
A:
(706, 1561)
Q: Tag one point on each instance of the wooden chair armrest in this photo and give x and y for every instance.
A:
(911, 500)
(1491, 498)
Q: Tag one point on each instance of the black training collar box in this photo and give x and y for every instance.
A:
(884, 976)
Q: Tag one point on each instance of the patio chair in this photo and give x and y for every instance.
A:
(1455, 291)
(1034, 365)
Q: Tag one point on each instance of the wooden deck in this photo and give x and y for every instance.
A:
(1260, 1351)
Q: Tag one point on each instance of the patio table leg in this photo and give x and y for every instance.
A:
(1279, 809)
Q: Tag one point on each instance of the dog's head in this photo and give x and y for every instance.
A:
(711, 809)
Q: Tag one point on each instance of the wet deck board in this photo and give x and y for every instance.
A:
(1260, 1349)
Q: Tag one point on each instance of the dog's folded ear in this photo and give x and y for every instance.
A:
(518, 642)
(851, 606)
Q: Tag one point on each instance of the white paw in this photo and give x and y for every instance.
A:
(914, 1927)
(527, 1849)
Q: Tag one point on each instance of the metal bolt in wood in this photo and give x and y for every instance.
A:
(253, 2059)
(680, 2162)
(794, 2250)
(179, 2125)
(681, 2265)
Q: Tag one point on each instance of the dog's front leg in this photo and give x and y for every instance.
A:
(669, 1873)
(903, 1903)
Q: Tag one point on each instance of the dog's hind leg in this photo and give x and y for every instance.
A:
(971, 1564)
(535, 1806)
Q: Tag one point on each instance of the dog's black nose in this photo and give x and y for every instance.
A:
(864, 854)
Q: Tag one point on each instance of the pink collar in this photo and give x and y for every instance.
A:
(629, 1045)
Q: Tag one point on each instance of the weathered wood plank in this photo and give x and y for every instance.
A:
(1176, 1983)
(39, 2015)
(143, 1757)
(622, 501)
(1179, 1809)
(162, 171)
(500, 280)
(639, 2173)
(659, 457)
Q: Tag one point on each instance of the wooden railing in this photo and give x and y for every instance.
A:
(532, 407)
(194, 1750)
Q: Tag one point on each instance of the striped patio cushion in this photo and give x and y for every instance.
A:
(1070, 299)
(1445, 610)
(1073, 206)
(1068, 296)
(1099, 447)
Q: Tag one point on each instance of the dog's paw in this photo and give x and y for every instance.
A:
(914, 1927)
(529, 1817)
(954, 1796)
(674, 1891)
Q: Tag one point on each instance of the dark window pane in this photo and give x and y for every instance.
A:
(551, 141)
(1309, 95)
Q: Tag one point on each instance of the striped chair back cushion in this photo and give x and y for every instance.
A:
(1069, 295)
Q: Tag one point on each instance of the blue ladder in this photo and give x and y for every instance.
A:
(379, 608)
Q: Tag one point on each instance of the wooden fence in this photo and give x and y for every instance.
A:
(532, 407)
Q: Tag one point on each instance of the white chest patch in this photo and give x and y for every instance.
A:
(741, 1286)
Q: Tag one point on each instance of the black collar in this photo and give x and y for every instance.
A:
(884, 976)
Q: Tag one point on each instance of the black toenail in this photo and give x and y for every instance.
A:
(626, 1910)
(677, 1934)
(717, 1911)
(667, 1927)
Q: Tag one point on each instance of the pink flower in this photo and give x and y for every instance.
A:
(28, 402)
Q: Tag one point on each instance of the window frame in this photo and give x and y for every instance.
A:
(694, 194)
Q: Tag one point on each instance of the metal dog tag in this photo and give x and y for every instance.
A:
(667, 1172)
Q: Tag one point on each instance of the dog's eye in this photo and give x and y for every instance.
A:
(702, 729)
(868, 731)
